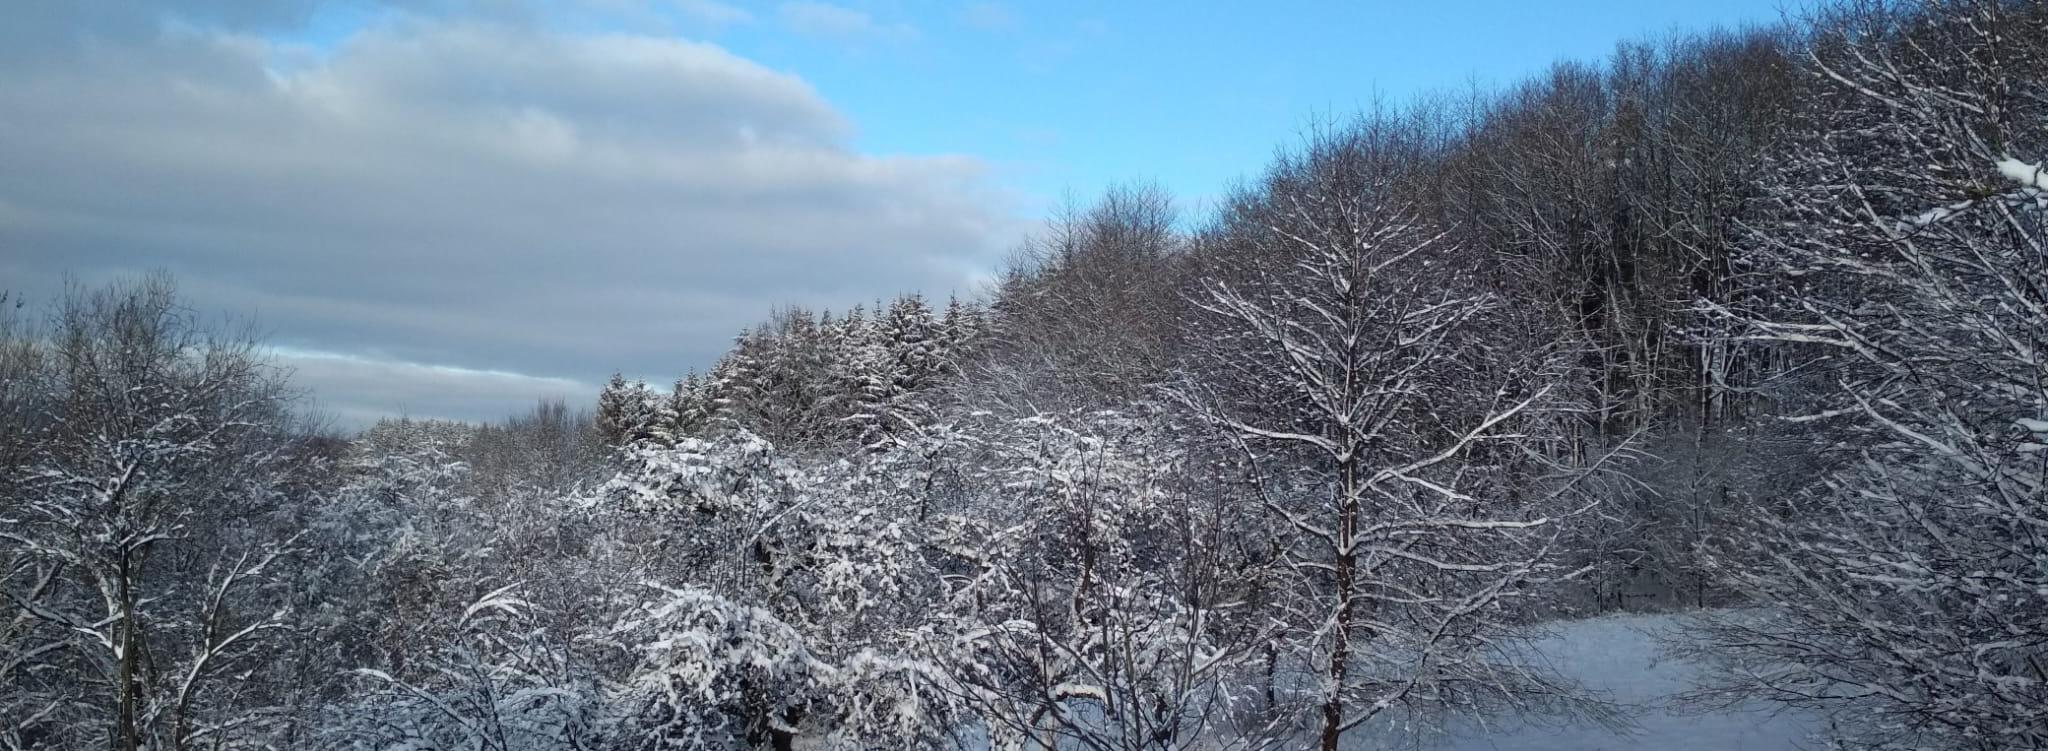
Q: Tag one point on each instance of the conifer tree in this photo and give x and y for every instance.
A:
(959, 332)
(913, 344)
(616, 407)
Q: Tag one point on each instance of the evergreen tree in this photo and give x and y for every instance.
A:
(850, 356)
(688, 407)
(865, 374)
(794, 381)
(618, 410)
(736, 381)
(914, 347)
(959, 332)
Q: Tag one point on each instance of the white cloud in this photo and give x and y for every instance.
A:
(489, 196)
(988, 16)
(825, 20)
(712, 12)
(356, 390)
(666, 17)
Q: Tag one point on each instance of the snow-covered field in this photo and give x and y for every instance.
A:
(1619, 655)
(1620, 658)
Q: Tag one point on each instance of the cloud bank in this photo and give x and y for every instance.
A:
(463, 192)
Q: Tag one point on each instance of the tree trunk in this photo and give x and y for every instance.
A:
(1345, 569)
(1272, 673)
(124, 735)
(785, 740)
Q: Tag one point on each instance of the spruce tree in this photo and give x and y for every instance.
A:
(614, 407)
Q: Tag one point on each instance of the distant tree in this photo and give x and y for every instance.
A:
(625, 411)
(686, 411)
(859, 374)
(796, 389)
(1084, 316)
(912, 338)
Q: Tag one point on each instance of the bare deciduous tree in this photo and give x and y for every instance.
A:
(137, 535)
(1390, 433)
(1904, 587)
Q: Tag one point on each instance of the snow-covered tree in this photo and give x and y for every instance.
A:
(914, 363)
(385, 542)
(804, 588)
(143, 597)
(713, 673)
(864, 372)
(961, 332)
(615, 407)
(1398, 436)
(627, 412)
(687, 409)
(1090, 596)
(1906, 584)
(504, 684)
(1084, 317)
(796, 380)
(912, 338)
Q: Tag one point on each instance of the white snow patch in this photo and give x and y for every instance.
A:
(1620, 655)
(2027, 175)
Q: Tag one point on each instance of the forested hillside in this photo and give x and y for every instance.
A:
(1742, 324)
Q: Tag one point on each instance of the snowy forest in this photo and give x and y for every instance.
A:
(1745, 327)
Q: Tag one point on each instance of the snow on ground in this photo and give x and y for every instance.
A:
(1620, 655)
(1621, 658)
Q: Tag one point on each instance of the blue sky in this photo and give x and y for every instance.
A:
(451, 207)
(1077, 95)
(1068, 97)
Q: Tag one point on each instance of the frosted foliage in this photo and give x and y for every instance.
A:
(702, 475)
